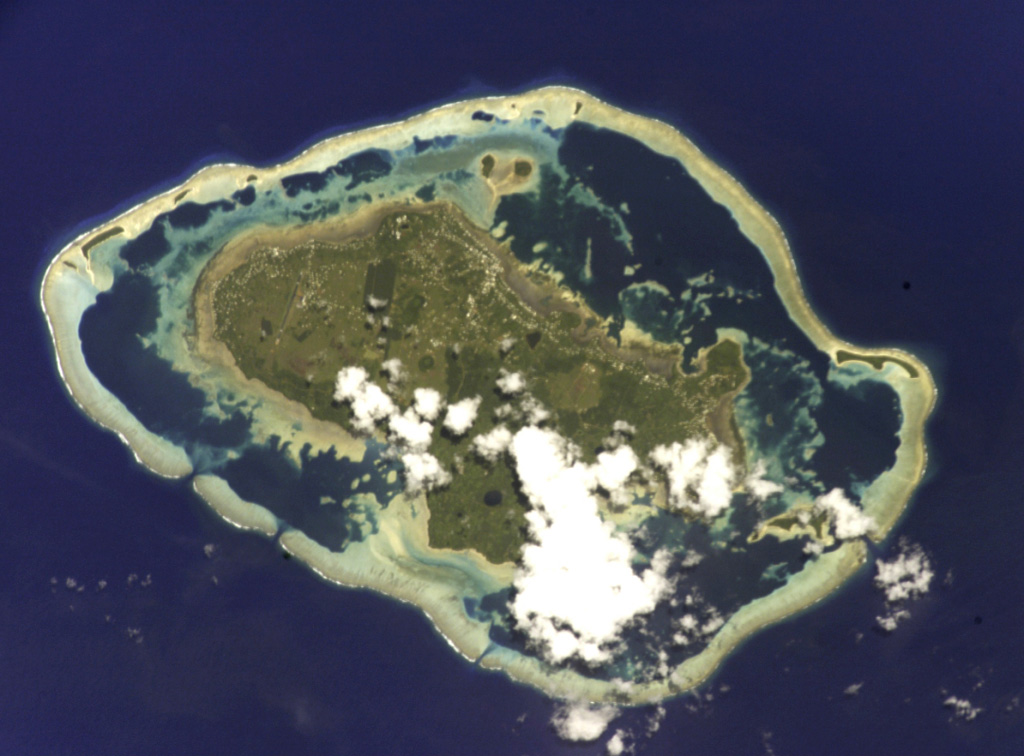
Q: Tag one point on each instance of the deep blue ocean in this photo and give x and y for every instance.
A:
(884, 138)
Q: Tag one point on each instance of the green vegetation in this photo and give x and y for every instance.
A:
(292, 318)
(100, 238)
(877, 362)
(487, 165)
(815, 522)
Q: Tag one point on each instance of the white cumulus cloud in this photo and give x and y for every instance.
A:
(410, 433)
(370, 405)
(492, 445)
(616, 744)
(612, 471)
(511, 384)
(349, 383)
(423, 472)
(907, 576)
(392, 368)
(700, 479)
(428, 403)
(575, 587)
(904, 578)
(461, 415)
(848, 520)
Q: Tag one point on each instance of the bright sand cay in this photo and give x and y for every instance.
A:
(503, 178)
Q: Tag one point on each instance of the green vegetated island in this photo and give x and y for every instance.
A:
(536, 471)
(457, 311)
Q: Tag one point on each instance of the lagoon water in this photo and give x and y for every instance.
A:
(266, 656)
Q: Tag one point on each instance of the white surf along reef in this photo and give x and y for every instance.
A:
(636, 563)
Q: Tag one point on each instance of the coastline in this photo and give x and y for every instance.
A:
(74, 276)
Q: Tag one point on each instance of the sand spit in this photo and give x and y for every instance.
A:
(397, 560)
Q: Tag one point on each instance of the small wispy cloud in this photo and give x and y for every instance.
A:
(582, 722)
(904, 578)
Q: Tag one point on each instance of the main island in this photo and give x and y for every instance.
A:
(532, 363)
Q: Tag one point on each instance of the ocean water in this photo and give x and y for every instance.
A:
(882, 141)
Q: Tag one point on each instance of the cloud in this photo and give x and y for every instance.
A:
(700, 480)
(616, 744)
(760, 487)
(904, 578)
(612, 471)
(962, 708)
(533, 412)
(409, 433)
(908, 576)
(892, 619)
(625, 741)
(393, 370)
(370, 405)
(621, 432)
(575, 587)
(613, 468)
(423, 473)
(511, 384)
(655, 720)
(462, 415)
(529, 411)
(715, 490)
(700, 623)
(847, 519)
(692, 559)
(349, 383)
(428, 403)
(491, 445)
(581, 721)
(813, 548)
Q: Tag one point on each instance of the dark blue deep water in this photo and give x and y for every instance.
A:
(884, 138)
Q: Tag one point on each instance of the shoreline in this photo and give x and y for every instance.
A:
(75, 276)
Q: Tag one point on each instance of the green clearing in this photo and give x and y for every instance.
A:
(293, 318)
